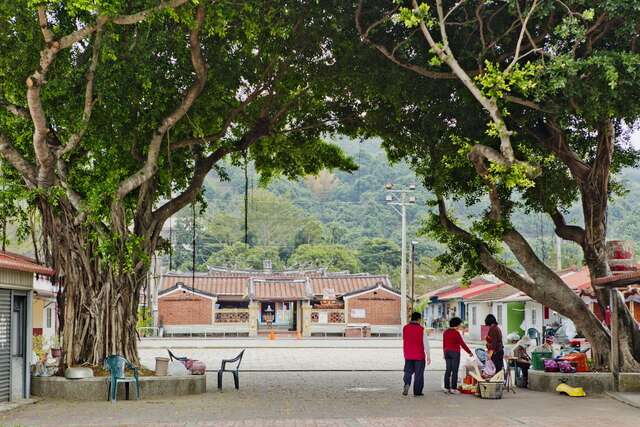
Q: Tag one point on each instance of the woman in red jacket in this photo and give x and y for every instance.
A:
(451, 343)
(495, 348)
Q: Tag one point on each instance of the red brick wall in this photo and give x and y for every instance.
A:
(381, 308)
(184, 309)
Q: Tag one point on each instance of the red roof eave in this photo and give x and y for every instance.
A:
(468, 292)
(15, 262)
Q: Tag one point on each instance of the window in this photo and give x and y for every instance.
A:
(534, 317)
(474, 315)
(49, 318)
(499, 314)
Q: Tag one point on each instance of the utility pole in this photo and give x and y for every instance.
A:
(401, 198)
(413, 272)
(558, 253)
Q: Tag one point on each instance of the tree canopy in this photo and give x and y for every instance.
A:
(114, 112)
(518, 106)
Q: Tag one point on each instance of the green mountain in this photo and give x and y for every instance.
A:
(341, 221)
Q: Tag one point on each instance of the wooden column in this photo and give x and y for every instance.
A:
(615, 349)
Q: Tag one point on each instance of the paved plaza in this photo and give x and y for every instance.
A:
(320, 382)
(330, 399)
(383, 354)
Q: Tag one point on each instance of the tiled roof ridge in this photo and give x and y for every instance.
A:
(278, 280)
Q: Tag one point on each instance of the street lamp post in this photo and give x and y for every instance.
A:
(401, 198)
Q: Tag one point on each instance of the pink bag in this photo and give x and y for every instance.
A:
(197, 367)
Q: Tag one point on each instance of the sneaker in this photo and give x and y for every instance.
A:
(420, 394)
(405, 391)
(454, 391)
(446, 391)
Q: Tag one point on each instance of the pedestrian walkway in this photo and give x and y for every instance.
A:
(329, 399)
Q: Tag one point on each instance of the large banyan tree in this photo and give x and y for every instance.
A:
(516, 106)
(114, 111)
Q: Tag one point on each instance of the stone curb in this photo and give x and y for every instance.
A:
(620, 397)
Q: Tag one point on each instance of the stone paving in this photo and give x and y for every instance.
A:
(338, 399)
(290, 354)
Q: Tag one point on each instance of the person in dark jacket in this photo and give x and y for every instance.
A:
(451, 343)
(495, 347)
(415, 357)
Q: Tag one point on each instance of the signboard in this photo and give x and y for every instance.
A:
(358, 313)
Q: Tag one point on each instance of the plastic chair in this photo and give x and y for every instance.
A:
(223, 369)
(116, 365)
(534, 334)
(174, 357)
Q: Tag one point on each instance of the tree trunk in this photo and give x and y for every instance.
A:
(100, 298)
(594, 202)
(550, 290)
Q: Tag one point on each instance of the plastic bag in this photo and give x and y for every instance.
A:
(566, 367)
(177, 369)
(550, 365)
(489, 369)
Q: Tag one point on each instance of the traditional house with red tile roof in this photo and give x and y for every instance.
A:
(449, 301)
(17, 301)
(249, 302)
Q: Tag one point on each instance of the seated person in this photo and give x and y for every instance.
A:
(523, 360)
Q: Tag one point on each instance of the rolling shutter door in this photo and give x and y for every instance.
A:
(5, 344)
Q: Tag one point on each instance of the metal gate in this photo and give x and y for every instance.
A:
(5, 345)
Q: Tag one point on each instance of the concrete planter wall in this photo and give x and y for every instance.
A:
(592, 382)
(96, 388)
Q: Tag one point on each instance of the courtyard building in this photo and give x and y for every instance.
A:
(301, 302)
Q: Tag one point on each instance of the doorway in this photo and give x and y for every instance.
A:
(18, 346)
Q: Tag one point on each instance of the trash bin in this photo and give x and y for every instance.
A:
(162, 365)
(537, 359)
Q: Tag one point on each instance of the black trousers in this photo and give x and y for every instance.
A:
(498, 360)
(414, 368)
(452, 363)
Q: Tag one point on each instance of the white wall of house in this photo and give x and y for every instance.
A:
(499, 310)
(476, 312)
(533, 316)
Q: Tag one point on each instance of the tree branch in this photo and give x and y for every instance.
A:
(364, 35)
(446, 55)
(44, 25)
(44, 156)
(189, 142)
(150, 167)
(16, 110)
(487, 259)
(26, 169)
(203, 165)
(557, 144)
(523, 30)
(89, 102)
(567, 232)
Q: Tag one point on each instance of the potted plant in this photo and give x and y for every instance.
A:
(38, 348)
(56, 347)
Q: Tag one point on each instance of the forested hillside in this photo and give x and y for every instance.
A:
(341, 221)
